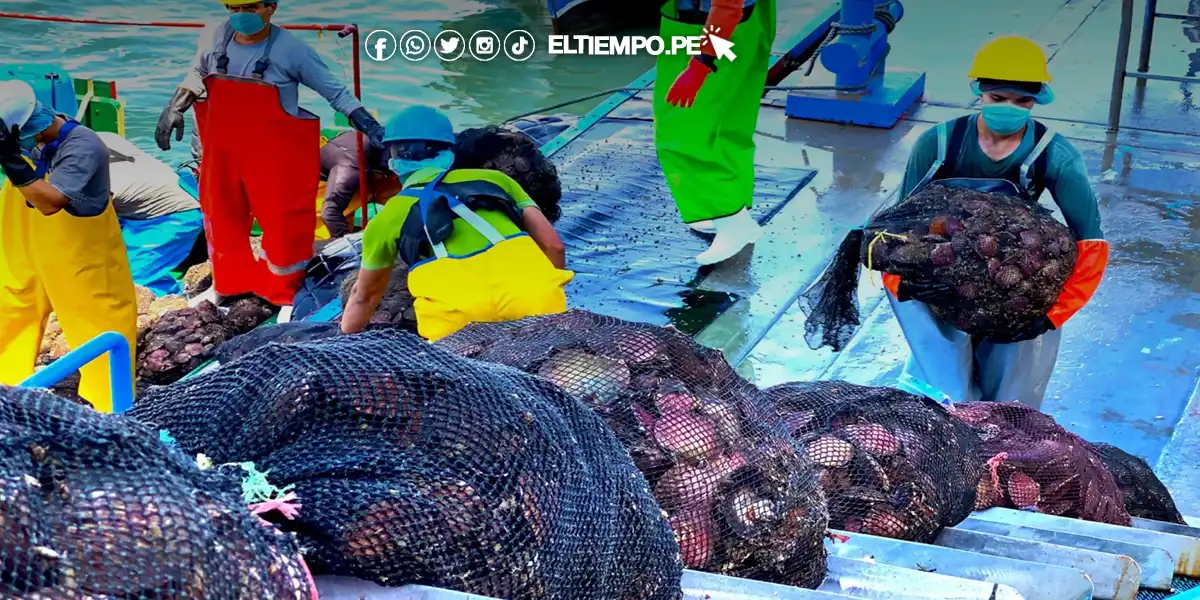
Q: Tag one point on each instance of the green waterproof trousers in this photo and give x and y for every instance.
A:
(707, 150)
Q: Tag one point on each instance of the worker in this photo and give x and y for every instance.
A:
(999, 148)
(261, 151)
(705, 116)
(340, 195)
(477, 247)
(60, 243)
(160, 221)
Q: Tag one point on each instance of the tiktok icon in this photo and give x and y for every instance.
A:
(519, 45)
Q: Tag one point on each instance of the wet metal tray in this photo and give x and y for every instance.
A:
(1033, 580)
(1185, 550)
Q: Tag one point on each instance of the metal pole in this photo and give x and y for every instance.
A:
(28, 17)
(1147, 35)
(1119, 69)
(364, 191)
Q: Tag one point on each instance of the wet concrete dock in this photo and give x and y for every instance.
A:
(1130, 360)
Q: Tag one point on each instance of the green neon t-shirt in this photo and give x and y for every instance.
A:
(382, 235)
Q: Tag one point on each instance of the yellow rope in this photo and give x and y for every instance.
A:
(879, 236)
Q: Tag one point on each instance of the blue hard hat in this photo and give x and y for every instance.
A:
(419, 123)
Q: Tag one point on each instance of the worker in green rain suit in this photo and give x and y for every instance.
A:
(705, 115)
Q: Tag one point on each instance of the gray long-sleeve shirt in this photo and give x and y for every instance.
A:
(292, 63)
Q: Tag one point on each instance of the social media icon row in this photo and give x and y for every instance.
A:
(449, 45)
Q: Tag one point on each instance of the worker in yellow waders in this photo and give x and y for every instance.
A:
(60, 243)
(705, 115)
(478, 248)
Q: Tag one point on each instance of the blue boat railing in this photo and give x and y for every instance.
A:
(120, 368)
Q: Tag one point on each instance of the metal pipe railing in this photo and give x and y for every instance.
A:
(120, 367)
(1121, 69)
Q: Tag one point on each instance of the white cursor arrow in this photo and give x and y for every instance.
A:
(723, 47)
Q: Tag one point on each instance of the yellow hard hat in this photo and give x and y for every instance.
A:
(1011, 58)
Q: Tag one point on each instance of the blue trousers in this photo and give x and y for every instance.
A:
(947, 365)
(158, 245)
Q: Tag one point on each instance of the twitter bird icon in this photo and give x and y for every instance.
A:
(449, 45)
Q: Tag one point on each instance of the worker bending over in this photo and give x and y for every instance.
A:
(261, 151)
(705, 116)
(1000, 149)
(340, 169)
(60, 244)
(478, 248)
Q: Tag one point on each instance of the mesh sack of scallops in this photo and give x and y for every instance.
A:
(890, 463)
(1035, 464)
(741, 498)
(1142, 492)
(413, 465)
(279, 333)
(182, 340)
(1002, 259)
(96, 506)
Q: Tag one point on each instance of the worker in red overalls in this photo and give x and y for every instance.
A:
(261, 150)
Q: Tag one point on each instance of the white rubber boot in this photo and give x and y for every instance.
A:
(733, 233)
(705, 226)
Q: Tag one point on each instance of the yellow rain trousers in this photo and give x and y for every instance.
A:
(73, 266)
(509, 280)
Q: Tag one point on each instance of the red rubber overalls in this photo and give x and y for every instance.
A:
(259, 163)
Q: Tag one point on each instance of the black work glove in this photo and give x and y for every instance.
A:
(1034, 330)
(12, 159)
(921, 290)
(363, 121)
(172, 118)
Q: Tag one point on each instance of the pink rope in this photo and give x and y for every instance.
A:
(287, 506)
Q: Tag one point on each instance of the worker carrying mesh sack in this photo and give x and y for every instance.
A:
(478, 248)
(980, 276)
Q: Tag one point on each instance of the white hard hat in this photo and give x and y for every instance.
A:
(17, 102)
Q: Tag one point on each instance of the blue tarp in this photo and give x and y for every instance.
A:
(156, 246)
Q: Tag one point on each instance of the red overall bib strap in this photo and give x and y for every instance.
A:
(259, 163)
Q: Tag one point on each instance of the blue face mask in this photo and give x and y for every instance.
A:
(41, 120)
(1004, 118)
(246, 23)
(403, 167)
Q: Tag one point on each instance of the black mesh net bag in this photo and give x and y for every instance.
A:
(280, 333)
(1035, 464)
(413, 465)
(96, 506)
(1002, 259)
(515, 154)
(741, 498)
(1143, 493)
(890, 463)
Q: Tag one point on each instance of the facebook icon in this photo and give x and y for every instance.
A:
(380, 45)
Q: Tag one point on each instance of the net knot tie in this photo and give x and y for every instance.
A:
(878, 237)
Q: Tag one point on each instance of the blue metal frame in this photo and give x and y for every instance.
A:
(120, 368)
(857, 58)
(597, 114)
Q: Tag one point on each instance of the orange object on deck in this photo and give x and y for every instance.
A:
(263, 164)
